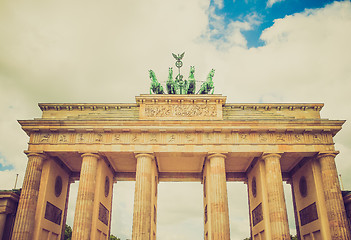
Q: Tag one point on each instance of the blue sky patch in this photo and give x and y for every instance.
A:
(3, 164)
(264, 13)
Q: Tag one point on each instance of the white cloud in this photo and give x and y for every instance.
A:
(92, 52)
(271, 2)
(226, 34)
(219, 4)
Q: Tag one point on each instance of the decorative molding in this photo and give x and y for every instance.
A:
(184, 138)
(181, 111)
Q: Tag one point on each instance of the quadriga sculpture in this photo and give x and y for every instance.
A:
(207, 86)
(171, 85)
(191, 81)
(156, 87)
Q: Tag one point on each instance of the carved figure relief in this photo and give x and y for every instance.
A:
(80, 138)
(63, 138)
(187, 110)
(316, 138)
(298, 138)
(262, 137)
(45, 138)
(280, 137)
(98, 137)
(244, 137)
(189, 138)
(171, 138)
(116, 138)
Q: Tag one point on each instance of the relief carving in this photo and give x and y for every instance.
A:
(153, 138)
(116, 138)
(45, 138)
(98, 137)
(171, 138)
(189, 138)
(298, 138)
(316, 138)
(244, 137)
(80, 138)
(280, 137)
(181, 138)
(63, 138)
(262, 137)
(187, 110)
(135, 138)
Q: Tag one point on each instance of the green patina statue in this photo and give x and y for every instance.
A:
(180, 85)
(207, 86)
(156, 87)
(191, 81)
(171, 85)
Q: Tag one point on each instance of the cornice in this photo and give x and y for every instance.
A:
(84, 106)
(275, 106)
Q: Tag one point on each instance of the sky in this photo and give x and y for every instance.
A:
(286, 51)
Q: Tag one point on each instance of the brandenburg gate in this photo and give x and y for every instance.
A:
(199, 138)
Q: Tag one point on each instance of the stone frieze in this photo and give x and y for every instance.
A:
(187, 110)
(182, 138)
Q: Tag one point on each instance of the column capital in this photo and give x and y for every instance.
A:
(267, 155)
(327, 154)
(144, 154)
(214, 154)
(90, 155)
(38, 154)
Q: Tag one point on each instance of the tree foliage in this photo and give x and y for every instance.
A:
(112, 237)
(68, 233)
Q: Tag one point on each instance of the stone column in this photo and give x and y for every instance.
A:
(2, 223)
(334, 202)
(218, 198)
(25, 217)
(278, 216)
(85, 200)
(142, 197)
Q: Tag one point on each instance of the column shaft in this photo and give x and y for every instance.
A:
(218, 198)
(2, 223)
(276, 201)
(334, 202)
(83, 216)
(142, 198)
(25, 217)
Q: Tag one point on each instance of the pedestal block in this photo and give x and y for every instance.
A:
(145, 208)
(25, 217)
(276, 201)
(334, 202)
